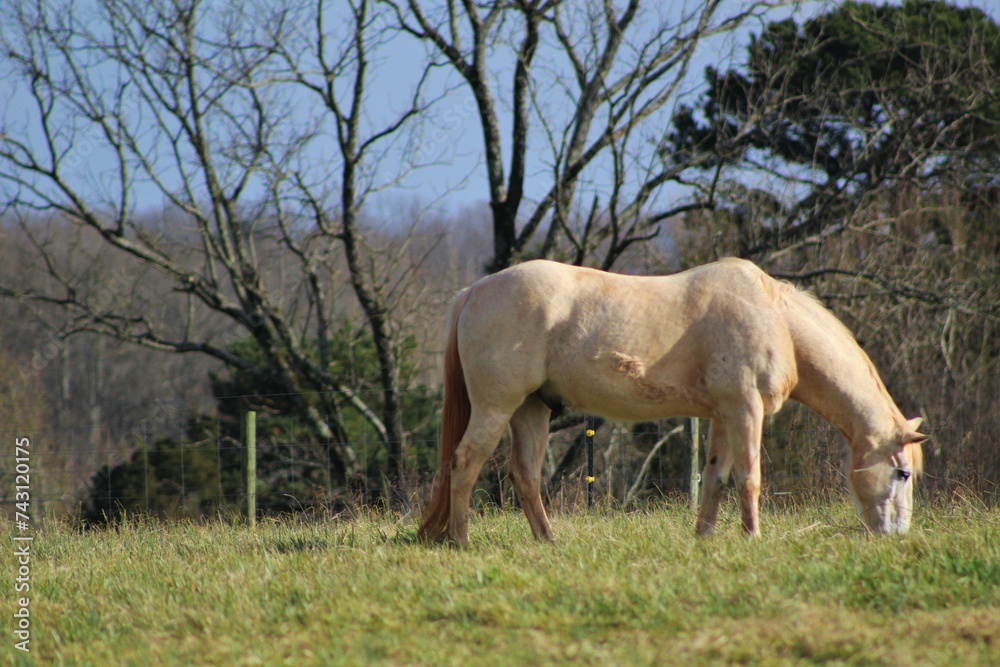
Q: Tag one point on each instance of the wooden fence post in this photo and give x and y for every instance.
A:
(695, 485)
(250, 467)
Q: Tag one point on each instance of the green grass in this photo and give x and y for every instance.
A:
(615, 588)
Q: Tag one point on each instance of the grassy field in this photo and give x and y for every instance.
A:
(615, 588)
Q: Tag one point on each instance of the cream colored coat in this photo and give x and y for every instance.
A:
(723, 341)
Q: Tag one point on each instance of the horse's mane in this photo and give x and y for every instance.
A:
(811, 302)
(816, 307)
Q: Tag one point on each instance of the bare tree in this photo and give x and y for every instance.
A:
(605, 74)
(337, 75)
(200, 106)
(251, 125)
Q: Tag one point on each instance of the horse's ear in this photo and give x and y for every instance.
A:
(914, 435)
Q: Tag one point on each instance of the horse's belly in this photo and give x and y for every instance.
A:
(636, 401)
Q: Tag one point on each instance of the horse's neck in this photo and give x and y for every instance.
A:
(839, 381)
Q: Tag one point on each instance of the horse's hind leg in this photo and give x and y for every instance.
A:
(715, 476)
(530, 429)
(480, 440)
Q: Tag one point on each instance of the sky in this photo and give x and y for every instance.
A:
(448, 144)
(456, 136)
(462, 181)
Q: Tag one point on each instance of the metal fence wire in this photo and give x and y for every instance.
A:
(168, 463)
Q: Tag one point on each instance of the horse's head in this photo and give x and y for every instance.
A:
(881, 477)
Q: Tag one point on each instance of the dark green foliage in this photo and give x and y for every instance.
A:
(200, 474)
(294, 469)
(192, 476)
(855, 99)
(845, 89)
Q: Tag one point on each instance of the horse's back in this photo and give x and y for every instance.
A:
(632, 347)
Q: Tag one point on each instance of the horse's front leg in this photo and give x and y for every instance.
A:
(746, 464)
(734, 445)
(750, 496)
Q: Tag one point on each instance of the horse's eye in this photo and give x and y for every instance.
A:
(902, 475)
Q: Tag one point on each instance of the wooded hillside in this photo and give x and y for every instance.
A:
(211, 207)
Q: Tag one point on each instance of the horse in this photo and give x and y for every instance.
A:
(723, 341)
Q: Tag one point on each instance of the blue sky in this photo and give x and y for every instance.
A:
(452, 173)
(453, 176)
(455, 135)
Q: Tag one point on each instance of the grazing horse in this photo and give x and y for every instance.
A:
(724, 342)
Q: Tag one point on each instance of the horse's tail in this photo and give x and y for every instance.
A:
(454, 421)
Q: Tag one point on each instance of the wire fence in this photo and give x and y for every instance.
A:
(171, 463)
